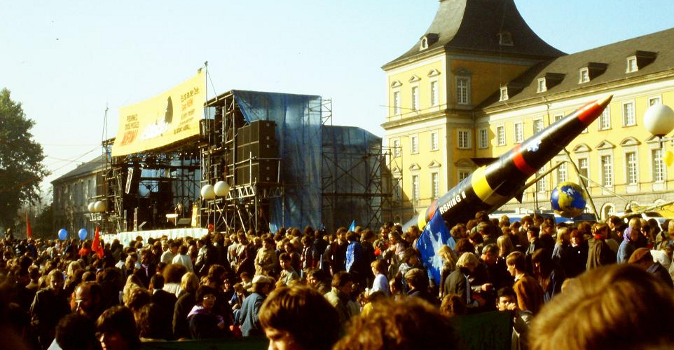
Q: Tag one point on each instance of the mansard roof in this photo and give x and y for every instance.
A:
(613, 58)
(480, 26)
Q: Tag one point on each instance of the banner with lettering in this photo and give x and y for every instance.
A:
(161, 120)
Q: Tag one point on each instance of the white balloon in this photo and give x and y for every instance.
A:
(207, 192)
(90, 207)
(659, 120)
(221, 188)
(99, 207)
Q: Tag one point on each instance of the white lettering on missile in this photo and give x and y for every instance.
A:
(452, 202)
(534, 146)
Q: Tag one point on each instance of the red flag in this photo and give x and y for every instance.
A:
(29, 231)
(96, 245)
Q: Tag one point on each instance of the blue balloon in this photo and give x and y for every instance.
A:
(63, 234)
(83, 233)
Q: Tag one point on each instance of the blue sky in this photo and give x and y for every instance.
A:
(65, 61)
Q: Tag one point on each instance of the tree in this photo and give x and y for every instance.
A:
(21, 168)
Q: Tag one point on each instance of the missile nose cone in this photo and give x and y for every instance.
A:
(605, 101)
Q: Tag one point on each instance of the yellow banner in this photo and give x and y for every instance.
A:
(162, 120)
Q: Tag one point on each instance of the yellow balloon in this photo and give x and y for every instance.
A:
(669, 158)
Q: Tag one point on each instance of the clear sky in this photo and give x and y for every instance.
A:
(65, 61)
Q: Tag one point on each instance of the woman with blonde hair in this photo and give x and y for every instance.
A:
(188, 288)
(449, 259)
(505, 246)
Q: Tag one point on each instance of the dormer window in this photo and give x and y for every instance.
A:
(639, 60)
(584, 76)
(505, 39)
(424, 43)
(548, 81)
(632, 64)
(542, 87)
(427, 40)
(504, 93)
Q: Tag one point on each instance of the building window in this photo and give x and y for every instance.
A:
(462, 90)
(605, 120)
(632, 65)
(396, 102)
(658, 166)
(500, 135)
(415, 98)
(541, 185)
(463, 174)
(519, 133)
(654, 101)
(414, 144)
(541, 85)
(435, 185)
(483, 138)
(584, 76)
(607, 171)
(538, 125)
(434, 93)
(561, 173)
(631, 168)
(583, 171)
(415, 187)
(505, 39)
(464, 139)
(504, 93)
(629, 118)
(396, 148)
(434, 141)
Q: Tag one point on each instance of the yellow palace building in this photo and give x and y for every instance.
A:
(479, 81)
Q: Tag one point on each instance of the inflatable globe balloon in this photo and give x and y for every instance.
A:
(63, 234)
(221, 188)
(83, 233)
(568, 200)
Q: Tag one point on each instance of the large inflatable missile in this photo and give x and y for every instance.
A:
(493, 185)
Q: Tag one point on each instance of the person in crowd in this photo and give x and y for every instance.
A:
(299, 317)
(170, 253)
(380, 282)
(266, 261)
(550, 276)
(49, 306)
(204, 322)
(86, 300)
(630, 236)
(529, 292)
(186, 300)
(578, 252)
(496, 269)
(545, 236)
(407, 324)
(449, 259)
(599, 252)
(417, 280)
(507, 301)
(116, 329)
(410, 260)
(453, 305)
(183, 258)
(560, 252)
(642, 257)
(317, 279)
(340, 297)
(458, 281)
(618, 306)
(206, 257)
(288, 273)
(75, 332)
(356, 262)
(248, 316)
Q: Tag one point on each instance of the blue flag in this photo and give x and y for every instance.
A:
(353, 226)
(434, 236)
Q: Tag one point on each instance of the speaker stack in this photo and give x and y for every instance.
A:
(256, 143)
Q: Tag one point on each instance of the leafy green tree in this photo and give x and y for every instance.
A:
(21, 168)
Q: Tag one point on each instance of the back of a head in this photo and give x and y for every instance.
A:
(402, 325)
(304, 313)
(119, 320)
(614, 307)
(75, 332)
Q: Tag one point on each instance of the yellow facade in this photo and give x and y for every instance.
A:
(433, 138)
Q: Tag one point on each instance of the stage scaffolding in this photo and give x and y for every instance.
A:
(150, 190)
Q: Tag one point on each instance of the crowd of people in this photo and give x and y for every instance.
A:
(590, 286)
